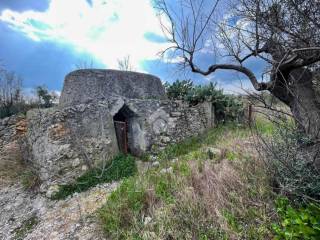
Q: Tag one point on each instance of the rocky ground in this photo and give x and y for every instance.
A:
(26, 215)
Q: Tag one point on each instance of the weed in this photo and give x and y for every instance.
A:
(231, 156)
(302, 223)
(232, 221)
(123, 209)
(264, 125)
(26, 227)
(163, 189)
(121, 166)
(29, 179)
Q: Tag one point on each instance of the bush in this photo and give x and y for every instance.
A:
(16, 108)
(290, 163)
(178, 89)
(227, 107)
(121, 166)
(26, 227)
(302, 223)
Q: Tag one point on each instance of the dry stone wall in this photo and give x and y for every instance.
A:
(65, 141)
(180, 121)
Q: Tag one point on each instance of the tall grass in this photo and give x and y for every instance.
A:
(202, 198)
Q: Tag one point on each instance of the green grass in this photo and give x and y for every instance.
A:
(297, 223)
(180, 204)
(193, 144)
(264, 126)
(123, 207)
(122, 166)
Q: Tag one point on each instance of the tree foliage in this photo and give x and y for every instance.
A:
(45, 98)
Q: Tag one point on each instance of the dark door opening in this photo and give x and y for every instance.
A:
(122, 136)
(121, 128)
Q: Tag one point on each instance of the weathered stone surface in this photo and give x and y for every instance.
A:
(72, 218)
(12, 139)
(62, 141)
(83, 86)
(66, 141)
(80, 133)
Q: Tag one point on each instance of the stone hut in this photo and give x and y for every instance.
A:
(102, 113)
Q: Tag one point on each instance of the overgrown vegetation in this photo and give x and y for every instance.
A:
(29, 179)
(293, 170)
(203, 196)
(294, 177)
(227, 107)
(26, 227)
(122, 166)
(297, 223)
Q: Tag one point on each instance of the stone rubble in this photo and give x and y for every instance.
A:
(73, 218)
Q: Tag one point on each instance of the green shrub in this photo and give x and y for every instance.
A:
(178, 89)
(290, 164)
(20, 107)
(227, 107)
(121, 166)
(302, 223)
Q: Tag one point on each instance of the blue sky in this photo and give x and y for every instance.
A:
(43, 40)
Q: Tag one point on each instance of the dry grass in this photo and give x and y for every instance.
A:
(227, 197)
(11, 164)
(213, 184)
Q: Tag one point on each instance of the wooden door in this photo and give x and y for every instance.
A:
(122, 138)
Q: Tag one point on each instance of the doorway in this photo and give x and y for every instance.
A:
(122, 128)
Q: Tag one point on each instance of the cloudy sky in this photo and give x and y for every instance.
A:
(43, 40)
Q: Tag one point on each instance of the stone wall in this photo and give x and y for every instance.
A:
(65, 141)
(87, 85)
(175, 121)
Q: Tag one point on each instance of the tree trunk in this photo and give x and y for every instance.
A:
(304, 105)
(295, 88)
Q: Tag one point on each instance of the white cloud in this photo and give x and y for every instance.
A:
(110, 30)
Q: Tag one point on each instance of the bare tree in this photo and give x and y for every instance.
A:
(10, 91)
(285, 34)
(125, 64)
(84, 64)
